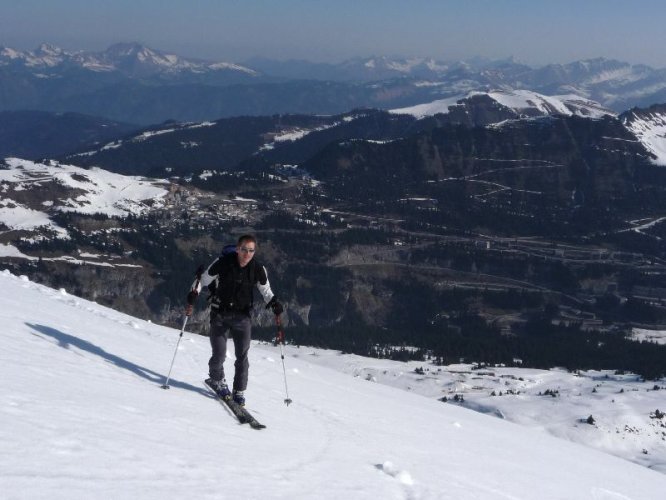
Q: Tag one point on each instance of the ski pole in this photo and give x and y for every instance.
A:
(280, 340)
(191, 299)
(166, 384)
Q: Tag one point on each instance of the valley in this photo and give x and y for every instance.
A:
(387, 235)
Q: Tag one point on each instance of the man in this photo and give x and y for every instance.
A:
(231, 279)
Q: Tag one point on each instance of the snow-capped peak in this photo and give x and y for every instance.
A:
(9, 53)
(124, 53)
(126, 57)
(137, 52)
(388, 67)
(45, 55)
(47, 49)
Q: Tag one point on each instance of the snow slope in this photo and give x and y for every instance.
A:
(46, 188)
(556, 401)
(570, 104)
(82, 415)
(429, 108)
(520, 101)
(650, 129)
(98, 190)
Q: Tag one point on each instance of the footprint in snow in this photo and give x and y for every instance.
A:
(390, 469)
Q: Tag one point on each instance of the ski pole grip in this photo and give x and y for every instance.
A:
(279, 338)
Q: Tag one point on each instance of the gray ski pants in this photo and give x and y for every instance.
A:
(238, 327)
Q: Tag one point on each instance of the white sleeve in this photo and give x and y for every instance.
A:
(265, 289)
(196, 286)
(206, 278)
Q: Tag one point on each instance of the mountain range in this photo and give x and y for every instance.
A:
(132, 83)
(228, 143)
(476, 221)
(502, 213)
(130, 59)
(499, 195)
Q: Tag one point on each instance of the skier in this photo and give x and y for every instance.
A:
(231, 279)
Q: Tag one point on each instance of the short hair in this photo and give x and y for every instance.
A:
(247, 238)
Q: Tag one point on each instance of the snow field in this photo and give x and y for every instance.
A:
(82, 415)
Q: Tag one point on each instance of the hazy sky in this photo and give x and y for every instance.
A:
(534, 31)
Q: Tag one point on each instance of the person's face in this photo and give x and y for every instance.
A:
(245, 252)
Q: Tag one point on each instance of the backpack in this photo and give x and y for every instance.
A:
(212, 286)
(229, 249)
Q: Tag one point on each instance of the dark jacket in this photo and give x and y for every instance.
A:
(232, 286)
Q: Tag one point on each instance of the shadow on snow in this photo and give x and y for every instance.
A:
(67, 341)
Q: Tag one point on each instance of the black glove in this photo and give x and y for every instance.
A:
(275, 306)
(192, 297)
(199, 271)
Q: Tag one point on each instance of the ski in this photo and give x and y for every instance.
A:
(243, 416)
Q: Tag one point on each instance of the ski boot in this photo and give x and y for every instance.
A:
(239, 398)
(220, 387)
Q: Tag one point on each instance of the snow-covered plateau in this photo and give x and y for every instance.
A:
(519, 101)
(83, 415)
